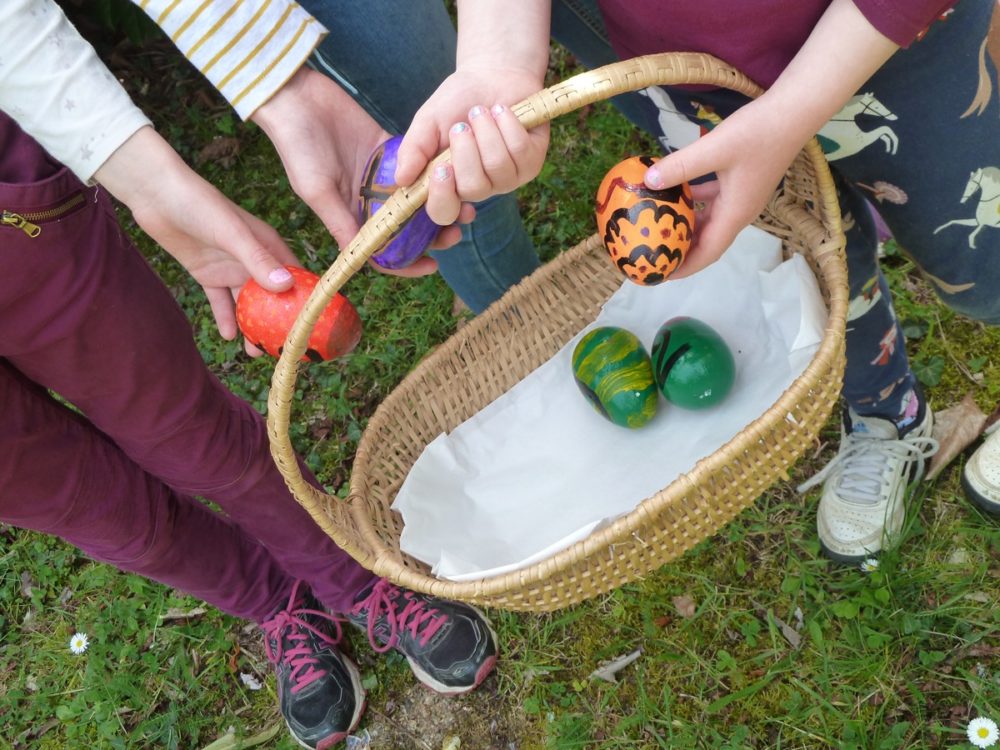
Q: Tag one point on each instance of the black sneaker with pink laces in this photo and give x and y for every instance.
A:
(451, 646)
(318, 687)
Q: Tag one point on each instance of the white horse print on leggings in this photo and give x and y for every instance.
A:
(986, 182)
(842, 137)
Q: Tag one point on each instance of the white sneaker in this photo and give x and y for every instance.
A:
(981, 475)
(864, 485)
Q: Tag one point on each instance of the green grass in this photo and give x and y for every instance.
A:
(902, 657)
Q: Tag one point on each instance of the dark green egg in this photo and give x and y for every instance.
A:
(694, 367)
(613, 370)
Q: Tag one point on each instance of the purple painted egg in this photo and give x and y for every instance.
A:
(379, 182)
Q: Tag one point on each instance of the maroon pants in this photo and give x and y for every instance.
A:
(82, 315)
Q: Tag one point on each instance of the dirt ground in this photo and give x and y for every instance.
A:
(419, 719)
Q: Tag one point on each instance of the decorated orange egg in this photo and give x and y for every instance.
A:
(266, 317)
(647, 232)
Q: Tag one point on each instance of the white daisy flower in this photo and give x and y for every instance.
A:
(982, 732)
(79, 643)
(870, 565)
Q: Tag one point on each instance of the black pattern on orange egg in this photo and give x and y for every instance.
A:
(693, 365)
(646, 232)
(613, 370)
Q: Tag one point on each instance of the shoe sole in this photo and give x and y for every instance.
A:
(336, 739)
(484, 670)
(851, 560)
(984, 504)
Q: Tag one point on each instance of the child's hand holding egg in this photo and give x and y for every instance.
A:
(647, 232)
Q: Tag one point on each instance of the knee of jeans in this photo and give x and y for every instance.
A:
(139, 555)
(134, 542)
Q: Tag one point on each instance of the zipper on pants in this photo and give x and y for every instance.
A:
(29, 221)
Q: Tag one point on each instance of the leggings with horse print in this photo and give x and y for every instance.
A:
(921, 142)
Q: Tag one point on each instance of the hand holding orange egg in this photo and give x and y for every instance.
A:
(646, 232)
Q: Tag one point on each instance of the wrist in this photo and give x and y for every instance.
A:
(136, 169)
(271, 112)
(504, 37)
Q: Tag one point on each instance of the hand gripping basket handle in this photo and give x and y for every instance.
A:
(585, 88)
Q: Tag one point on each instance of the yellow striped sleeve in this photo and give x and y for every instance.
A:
(246, 48)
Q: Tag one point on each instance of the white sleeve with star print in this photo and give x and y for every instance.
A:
(247, 49)
(56, 88)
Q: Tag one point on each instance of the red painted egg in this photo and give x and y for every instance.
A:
(266, 317)
(646, 232)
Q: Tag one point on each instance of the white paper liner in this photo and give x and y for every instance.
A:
(539, 469)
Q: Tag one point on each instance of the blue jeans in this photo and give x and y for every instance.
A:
(391, 56)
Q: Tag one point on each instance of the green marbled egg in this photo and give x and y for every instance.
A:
(613, 370)
(694, 367)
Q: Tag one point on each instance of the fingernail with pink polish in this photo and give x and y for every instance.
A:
(279, 276)
(498, 109)
(653, 178)
(475, 112)
(442, 173)
(459, 127)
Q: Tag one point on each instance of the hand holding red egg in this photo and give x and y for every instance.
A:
(265, 318)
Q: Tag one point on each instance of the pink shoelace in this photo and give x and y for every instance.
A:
(414, 615)
(289, 623)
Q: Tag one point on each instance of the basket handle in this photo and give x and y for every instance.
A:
(575, 92)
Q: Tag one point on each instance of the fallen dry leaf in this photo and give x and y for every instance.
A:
(611, 669)
(977, 596)
(175, 613)
(221, 149)
(790, 633)
(955, 428)
(685, 605)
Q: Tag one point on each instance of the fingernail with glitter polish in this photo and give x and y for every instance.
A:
(279, 276)
(653, 178)
(475, 112)
(442, 172)
(498, 109)
(459, 127)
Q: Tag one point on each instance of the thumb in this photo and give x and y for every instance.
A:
(421, 143)
(338, 219)
(255, 253)
(680, 166)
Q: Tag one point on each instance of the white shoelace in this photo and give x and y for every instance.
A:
(860, 466)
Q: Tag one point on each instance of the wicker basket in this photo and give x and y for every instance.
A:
(527, 327)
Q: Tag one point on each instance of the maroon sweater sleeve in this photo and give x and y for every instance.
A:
(902, 20)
